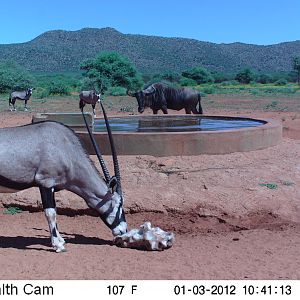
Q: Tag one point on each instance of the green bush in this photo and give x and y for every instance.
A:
(245, 76)
(229, 82)
(199, 74)
(208, 90)
(41, 93)
(117, 91)
(187, 82)
(58, 88)
(14, 77)
(281, 82)
(264, 78)
(167, 76)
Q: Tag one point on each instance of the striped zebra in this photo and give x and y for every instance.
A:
(51, 157)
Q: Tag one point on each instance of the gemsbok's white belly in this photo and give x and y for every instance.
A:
(4, 189)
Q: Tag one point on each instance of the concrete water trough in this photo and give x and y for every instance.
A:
(165, 135)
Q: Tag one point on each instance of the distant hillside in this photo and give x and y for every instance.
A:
(63, 51)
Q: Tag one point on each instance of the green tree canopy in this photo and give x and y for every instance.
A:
(14, 77)
(109, 69)
(199, 74)
(245, 76)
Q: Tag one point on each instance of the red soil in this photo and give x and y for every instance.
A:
(227, 225)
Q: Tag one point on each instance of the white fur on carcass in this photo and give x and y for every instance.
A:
(151, 238)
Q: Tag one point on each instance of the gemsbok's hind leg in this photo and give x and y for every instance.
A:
(25, 106)
(94, 110)
(49, 206)
(12, 105)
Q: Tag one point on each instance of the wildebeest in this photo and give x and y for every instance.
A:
(51, 157)
(23, 95)
(161, 96)
(89, 97)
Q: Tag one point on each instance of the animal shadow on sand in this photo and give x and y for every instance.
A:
(30, 243)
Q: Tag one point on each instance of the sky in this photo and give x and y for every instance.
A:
(262, 22)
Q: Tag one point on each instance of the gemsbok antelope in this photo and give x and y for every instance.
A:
(49, 155)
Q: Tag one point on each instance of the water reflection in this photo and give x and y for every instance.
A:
(175, 124)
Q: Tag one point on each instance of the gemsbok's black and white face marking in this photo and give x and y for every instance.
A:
(111, 212)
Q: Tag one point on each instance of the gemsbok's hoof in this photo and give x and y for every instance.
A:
(60, 249)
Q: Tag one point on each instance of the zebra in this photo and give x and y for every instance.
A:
(52, 158)
(23, 95)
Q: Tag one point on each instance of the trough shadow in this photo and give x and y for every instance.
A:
(26, 243)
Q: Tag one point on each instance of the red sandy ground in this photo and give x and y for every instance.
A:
(227, 226)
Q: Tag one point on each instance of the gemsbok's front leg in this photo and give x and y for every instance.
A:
(49, 206)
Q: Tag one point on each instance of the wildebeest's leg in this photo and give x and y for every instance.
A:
(165, 110)
(94, 112)
(48, 201)
(188, 111)
(195, 111)
(155, 111)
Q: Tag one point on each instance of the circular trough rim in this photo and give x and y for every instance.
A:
(189, 142)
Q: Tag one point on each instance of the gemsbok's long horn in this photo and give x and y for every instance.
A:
(97, 151)
(113, 152)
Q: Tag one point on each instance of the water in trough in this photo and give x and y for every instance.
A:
(176, 124)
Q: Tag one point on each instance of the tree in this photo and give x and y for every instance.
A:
(199, 74)
(296, 67)
(14, 77)
(110, 69)
(245, 76)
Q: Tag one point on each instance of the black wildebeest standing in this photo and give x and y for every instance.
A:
(161, 96)
(89, 97)
(23, 95)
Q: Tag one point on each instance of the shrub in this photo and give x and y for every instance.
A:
(264, 78)
(167, 76)
(245, 76)
(208, 90)
(187, 82)
(117, 91)
(229, 82)
(58, 88)
(14, 77)
(41, 93)
(199, 74)
(281, 82)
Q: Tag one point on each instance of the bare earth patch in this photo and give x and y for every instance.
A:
(235, 216)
